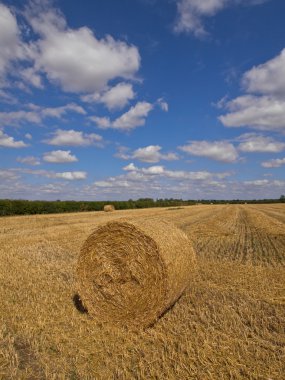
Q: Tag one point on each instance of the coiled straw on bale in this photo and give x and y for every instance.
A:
(108, 208)
(131, 272)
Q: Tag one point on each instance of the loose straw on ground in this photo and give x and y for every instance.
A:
(131, 272)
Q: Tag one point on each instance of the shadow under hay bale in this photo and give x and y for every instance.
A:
(78, 304)
(130, 272)
(109, 208)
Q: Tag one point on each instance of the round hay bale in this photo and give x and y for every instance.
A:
(131, 272)
(109, 208)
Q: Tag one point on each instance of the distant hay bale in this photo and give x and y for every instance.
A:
(130, 272)
(109, 208)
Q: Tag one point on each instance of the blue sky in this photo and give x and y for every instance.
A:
(142, 98)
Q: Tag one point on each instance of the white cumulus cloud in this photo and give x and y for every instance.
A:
(158, 181)
(71, 176)
(75, 58)
(252, 142)
(215, 150)
(263, 108)
(59, 156)
(131, 167)
(133, 118)
(152, 154)
(29, 160)
(116, 97)
(154, 170)
(259, 112)
(267, 78)
(9, 141)
(159, 170)
(10, 46)
(8, 175)
(73, 138)
(274, 163)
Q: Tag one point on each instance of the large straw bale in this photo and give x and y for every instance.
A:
(131, 272)
(109, 208)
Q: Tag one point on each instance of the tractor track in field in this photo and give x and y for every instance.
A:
(276, 213)
(240, 233)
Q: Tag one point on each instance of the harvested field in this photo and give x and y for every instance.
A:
(230, 323)
(248, 234)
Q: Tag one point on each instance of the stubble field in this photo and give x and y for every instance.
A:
(229, 324)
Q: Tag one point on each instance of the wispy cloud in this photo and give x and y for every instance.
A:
(274, 163)
(36, 114)
(191, 13)
(29, 160)
(69, 175)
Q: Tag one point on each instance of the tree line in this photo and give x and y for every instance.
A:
(26, 207)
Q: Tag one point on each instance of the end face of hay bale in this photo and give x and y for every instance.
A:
(129, 273)
(109, 208)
